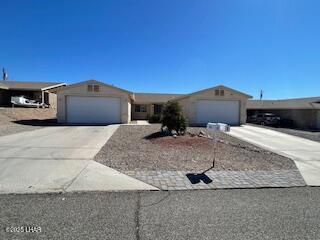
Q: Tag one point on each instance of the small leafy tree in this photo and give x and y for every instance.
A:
(173, 118)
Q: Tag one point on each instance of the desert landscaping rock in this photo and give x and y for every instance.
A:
(15, 120)
(145, 148)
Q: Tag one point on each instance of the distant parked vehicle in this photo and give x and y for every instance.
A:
(24, 102)
(267, 119)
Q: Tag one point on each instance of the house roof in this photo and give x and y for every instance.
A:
(164, 97)
(212, 88)
(295, 103)
(155, 97)
(93, 81)
(31, 86)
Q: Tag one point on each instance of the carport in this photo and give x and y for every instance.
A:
(42, 92)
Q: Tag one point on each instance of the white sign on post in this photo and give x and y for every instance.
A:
(212, 128)
(217, 127)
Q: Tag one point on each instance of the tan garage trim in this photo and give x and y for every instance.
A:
(105, 90)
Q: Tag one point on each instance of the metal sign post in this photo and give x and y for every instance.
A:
(212, 129)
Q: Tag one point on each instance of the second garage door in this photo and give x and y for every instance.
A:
(93, 110)
(217, 111)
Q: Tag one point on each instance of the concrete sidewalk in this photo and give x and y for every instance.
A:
(59, 159)
(178, 180)
(304, 152)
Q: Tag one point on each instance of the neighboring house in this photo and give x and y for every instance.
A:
(94, 102)
(38, 91)
(304, 112)
(148, 104)
(217, 104)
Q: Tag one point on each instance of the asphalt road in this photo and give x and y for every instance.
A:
(292, 213)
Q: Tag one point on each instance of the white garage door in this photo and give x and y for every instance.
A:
(93, 110)
(218, 111)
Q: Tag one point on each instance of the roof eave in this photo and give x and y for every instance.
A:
(53, 86)
(25, 89)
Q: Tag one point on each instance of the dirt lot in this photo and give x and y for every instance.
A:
(311, 135)
(14, 120)
(142, 148)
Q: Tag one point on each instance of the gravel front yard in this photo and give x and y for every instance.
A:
(311, 135)
(141, 148)
(15, 120)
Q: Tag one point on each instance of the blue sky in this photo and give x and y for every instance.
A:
(168, 46)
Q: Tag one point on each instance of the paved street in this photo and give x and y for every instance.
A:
(55, 159)
(279, 213)
(304, 152)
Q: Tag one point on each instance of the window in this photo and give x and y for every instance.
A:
(157, 109)
(96, 88)
(140, 108)
(143, 108)
(219, 92)
(93, 88)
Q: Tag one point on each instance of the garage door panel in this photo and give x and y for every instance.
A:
(100, 110)
(218, 111)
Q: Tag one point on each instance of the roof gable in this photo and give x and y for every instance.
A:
(213, 88)
(93, 81)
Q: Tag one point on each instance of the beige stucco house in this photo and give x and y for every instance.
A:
(217, 104)
(94, 102)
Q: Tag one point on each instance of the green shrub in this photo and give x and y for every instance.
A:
(173, 118)
(154, 118)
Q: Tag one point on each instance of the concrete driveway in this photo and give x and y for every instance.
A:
(305, 153)
(55, 159)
